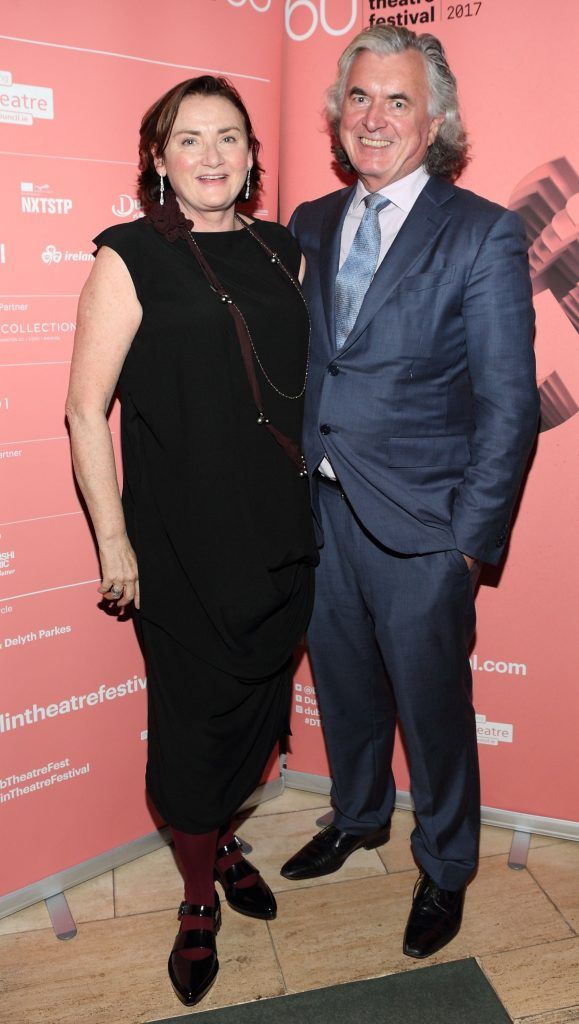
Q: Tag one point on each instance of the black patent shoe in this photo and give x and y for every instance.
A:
(192, 979)
(255, 900)
(328, 850)
(434, 920)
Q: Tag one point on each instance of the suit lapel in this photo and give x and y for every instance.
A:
(330, 239)
(426, 219)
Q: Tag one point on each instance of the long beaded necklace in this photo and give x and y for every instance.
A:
(274, 258)
(244, 337)
(170, 221)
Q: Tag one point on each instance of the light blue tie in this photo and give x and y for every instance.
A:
(358, 269)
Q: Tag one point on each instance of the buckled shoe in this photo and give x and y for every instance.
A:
(255, 900)
(192, 979)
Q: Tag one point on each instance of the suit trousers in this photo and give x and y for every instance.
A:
(389, 638)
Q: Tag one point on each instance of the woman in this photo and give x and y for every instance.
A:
(195, 312)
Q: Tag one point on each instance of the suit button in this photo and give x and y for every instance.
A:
(325, 429)
(333, 369)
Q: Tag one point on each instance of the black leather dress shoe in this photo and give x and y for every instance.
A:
(255, 900)
(434, 920)
(192, 979)
(328, 850)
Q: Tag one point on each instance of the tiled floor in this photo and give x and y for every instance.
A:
(521, 926)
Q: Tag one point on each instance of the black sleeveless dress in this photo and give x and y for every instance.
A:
(216, 511)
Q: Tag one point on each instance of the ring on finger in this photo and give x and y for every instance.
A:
(116, 591)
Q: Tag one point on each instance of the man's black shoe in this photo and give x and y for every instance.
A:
(328, 850)
(434, 920)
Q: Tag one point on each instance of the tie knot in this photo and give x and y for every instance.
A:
(376, 201)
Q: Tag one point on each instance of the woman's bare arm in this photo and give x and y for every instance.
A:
(109, 315)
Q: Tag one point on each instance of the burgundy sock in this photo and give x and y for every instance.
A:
(226, 836)
(196, 856)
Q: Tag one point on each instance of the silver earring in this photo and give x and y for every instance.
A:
(247, 184)
(161, 190)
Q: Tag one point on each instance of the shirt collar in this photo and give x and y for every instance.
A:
(402, 193)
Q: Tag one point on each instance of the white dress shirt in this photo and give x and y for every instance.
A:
(402, 195)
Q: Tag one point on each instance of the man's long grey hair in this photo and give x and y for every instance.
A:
(448, 154)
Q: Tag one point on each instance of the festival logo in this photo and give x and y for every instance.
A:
(419, 15)
(22, 104)
(414, 14)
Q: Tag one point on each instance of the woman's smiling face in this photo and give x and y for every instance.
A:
(207, 157)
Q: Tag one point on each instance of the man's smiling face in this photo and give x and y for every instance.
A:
(385, 125)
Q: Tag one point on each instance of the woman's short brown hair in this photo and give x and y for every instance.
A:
(157, 125)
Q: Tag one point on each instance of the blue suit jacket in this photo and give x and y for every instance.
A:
(430, 409)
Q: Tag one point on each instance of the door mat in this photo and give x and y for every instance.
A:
(453, 993)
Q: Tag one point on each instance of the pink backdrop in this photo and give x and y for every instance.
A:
(515, 63)
(72, 90)
(73, 87)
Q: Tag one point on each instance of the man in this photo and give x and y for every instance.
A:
(421, 412)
